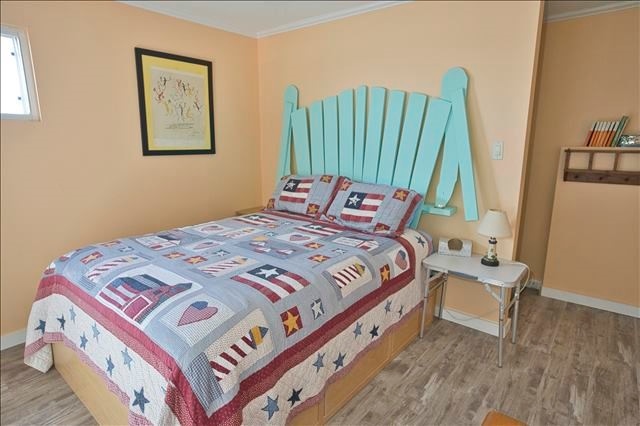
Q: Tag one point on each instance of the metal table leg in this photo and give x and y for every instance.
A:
(514, 321)
(443, 293)
(501, 327)
(425, 299)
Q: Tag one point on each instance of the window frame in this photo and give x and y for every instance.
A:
(28, 74)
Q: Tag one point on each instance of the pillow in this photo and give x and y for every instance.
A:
(373, 208)
(308, 195)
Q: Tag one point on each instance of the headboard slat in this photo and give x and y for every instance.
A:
(331, 157)
(457, 147)
(374, 134)
(316, 128)
(290, 105)
(467, 179)
(409, 139)
(345, 121)
(361, 121)
(390, 137)
(301, 141)
(430, 141)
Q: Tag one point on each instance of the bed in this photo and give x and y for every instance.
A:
(264, 318)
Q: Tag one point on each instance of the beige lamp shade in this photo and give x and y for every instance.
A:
(495, 224)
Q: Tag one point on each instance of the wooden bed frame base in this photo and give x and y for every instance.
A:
(107, 409)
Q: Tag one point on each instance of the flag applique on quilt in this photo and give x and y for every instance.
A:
(323, 230)
(112, 265)
(296, 190)
(361, 207)
(228, 360)
(349, 275)
(273, 282)
(225, 266)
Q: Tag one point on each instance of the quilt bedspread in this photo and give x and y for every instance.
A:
(242, 320)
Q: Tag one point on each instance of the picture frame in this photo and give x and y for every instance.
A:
(175, 95)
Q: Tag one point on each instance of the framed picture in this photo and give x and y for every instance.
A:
(176, 103)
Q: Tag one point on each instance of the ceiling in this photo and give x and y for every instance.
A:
(260, 18)
(264, 18)
(556, 10)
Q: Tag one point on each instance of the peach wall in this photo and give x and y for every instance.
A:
(410, 47)
(589, 70)
(596, 225)
(78, 176)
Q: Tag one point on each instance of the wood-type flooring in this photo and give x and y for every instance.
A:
(570, 365)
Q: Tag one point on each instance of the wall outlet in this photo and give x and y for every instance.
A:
(497, 150)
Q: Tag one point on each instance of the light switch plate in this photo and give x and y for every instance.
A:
(497, 150)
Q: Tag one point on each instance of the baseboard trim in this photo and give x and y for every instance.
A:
(10, 340)
(535, 284)
(480, 324)
(605, 305)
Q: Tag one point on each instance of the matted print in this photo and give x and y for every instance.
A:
(175, 95)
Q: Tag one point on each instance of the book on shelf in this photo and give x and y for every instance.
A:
(606, 133)
(616, 138)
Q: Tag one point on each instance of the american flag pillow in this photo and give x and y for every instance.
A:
(308, 195)
(374, 208)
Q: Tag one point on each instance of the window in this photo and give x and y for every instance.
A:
(17, 85)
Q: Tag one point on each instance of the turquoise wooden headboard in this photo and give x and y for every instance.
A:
(392, 139)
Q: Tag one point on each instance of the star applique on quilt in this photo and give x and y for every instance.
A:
(385, 273)
(291, 321)
(295, 396)
(339, 362)
(140, 399)
(272, 406)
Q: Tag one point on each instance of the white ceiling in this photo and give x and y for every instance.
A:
(263, 18)
(260, 18)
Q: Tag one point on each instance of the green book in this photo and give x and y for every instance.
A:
(621, 126)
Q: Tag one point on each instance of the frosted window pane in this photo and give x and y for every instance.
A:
(13, 89)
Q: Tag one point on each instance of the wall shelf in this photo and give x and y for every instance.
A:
(609, 175)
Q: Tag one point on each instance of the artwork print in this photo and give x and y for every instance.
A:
(176, 103)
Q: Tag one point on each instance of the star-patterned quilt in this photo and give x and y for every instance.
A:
(242, 320)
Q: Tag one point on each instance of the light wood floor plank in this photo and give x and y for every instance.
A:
(571, 365)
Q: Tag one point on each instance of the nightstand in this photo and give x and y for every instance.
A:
(249, 210)
(508, 275)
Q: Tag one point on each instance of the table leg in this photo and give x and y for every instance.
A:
(501, 327)
(443, 293)
(425, 300)
(514, 320)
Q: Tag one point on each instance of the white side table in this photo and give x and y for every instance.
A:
(506, 276)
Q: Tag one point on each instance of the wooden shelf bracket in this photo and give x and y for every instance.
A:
(591, 175)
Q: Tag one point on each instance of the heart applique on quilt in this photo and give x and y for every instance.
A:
(197, 311)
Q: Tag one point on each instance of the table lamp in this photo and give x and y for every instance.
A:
(495, 224)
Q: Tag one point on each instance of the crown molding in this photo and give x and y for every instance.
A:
(610, 7)
(320, 19)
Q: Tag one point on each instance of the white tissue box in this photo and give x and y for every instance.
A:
(454, 247)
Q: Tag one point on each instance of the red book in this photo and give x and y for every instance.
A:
(590, 134)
